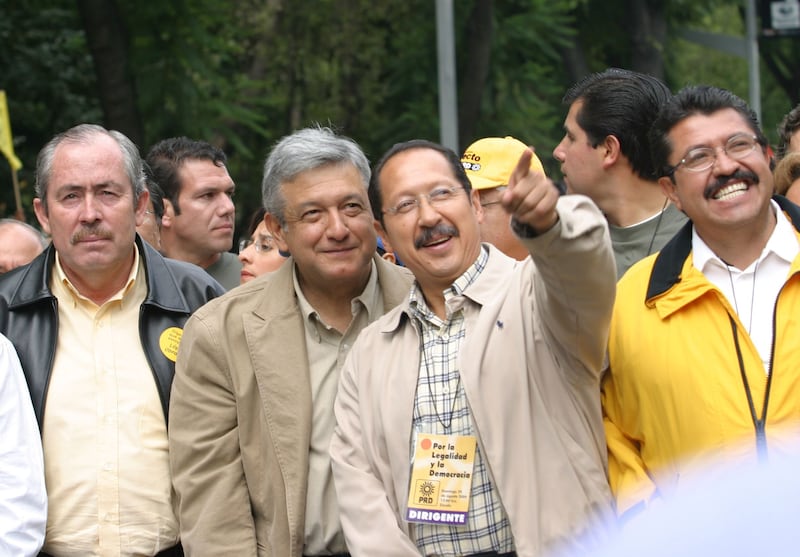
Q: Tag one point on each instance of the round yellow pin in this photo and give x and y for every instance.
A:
(169, 341)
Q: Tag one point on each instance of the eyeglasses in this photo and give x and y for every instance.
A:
(262, 245)
(703, 158)
(437, 197)
(150, 215)
(496, 201)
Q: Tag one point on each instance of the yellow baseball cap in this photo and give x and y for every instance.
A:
(490, 161)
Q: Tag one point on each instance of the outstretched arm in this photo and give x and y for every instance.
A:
(574, 273)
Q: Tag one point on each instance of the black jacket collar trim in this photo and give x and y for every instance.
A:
(669, 262)
(33, 283)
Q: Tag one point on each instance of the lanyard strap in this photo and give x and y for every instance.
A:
(760, 423)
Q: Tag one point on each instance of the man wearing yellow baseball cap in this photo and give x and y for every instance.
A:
(489, 163)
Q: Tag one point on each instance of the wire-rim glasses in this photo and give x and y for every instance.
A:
(437, 196)
(699, 159)
(262, 245)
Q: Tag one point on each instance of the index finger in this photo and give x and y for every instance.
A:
(522, 169)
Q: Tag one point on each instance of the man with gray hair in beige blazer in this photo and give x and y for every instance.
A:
(252, 406)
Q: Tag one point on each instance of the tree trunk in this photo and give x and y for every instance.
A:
(574, 60)
(107, 39)
(475, 71)
(648, 35)
(780, 56)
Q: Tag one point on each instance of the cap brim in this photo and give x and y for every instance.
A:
(481, 183)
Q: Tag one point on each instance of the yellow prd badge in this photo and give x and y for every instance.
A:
(441, 479)
(169, 341)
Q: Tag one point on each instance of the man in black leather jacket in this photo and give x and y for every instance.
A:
(28, 315)
(96, 320)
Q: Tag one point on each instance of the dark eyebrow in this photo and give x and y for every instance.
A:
(231, 187)
(94, 187)
(707, 146)
(110, 184)
(302, 207)
(353, 196)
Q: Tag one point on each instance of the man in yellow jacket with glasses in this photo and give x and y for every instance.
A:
(703, 351)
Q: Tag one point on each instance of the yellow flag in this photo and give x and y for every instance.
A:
(6, 144)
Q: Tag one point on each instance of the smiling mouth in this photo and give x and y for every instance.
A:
(729, 191)
(436, 241)
(432, 237)
(337, 251)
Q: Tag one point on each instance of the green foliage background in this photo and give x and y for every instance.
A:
(243, 74)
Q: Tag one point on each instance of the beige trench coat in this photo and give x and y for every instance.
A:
(531, 365)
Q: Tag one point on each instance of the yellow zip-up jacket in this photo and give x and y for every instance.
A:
(681, 366)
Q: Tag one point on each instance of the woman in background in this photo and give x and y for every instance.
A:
(787, 177)
(258, 253)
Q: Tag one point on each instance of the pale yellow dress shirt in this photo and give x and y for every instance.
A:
(327, 350)
(104, 431)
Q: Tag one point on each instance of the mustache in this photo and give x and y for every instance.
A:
(429, 234)
(90, 232)
(739, 175)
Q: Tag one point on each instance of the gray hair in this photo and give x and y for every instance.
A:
(305, 150)
(82, 133)
(7, 222)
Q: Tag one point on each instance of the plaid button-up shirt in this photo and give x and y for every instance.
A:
(441, 407)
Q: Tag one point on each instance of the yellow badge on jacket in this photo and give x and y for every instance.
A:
(441, 479)
(169, 341)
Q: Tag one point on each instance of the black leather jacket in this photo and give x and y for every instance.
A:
(29, 315)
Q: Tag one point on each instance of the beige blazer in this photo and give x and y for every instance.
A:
(240, 418)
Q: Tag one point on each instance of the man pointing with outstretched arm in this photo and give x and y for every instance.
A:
(490, 440)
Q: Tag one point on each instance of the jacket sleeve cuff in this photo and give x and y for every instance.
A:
(526, 231)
